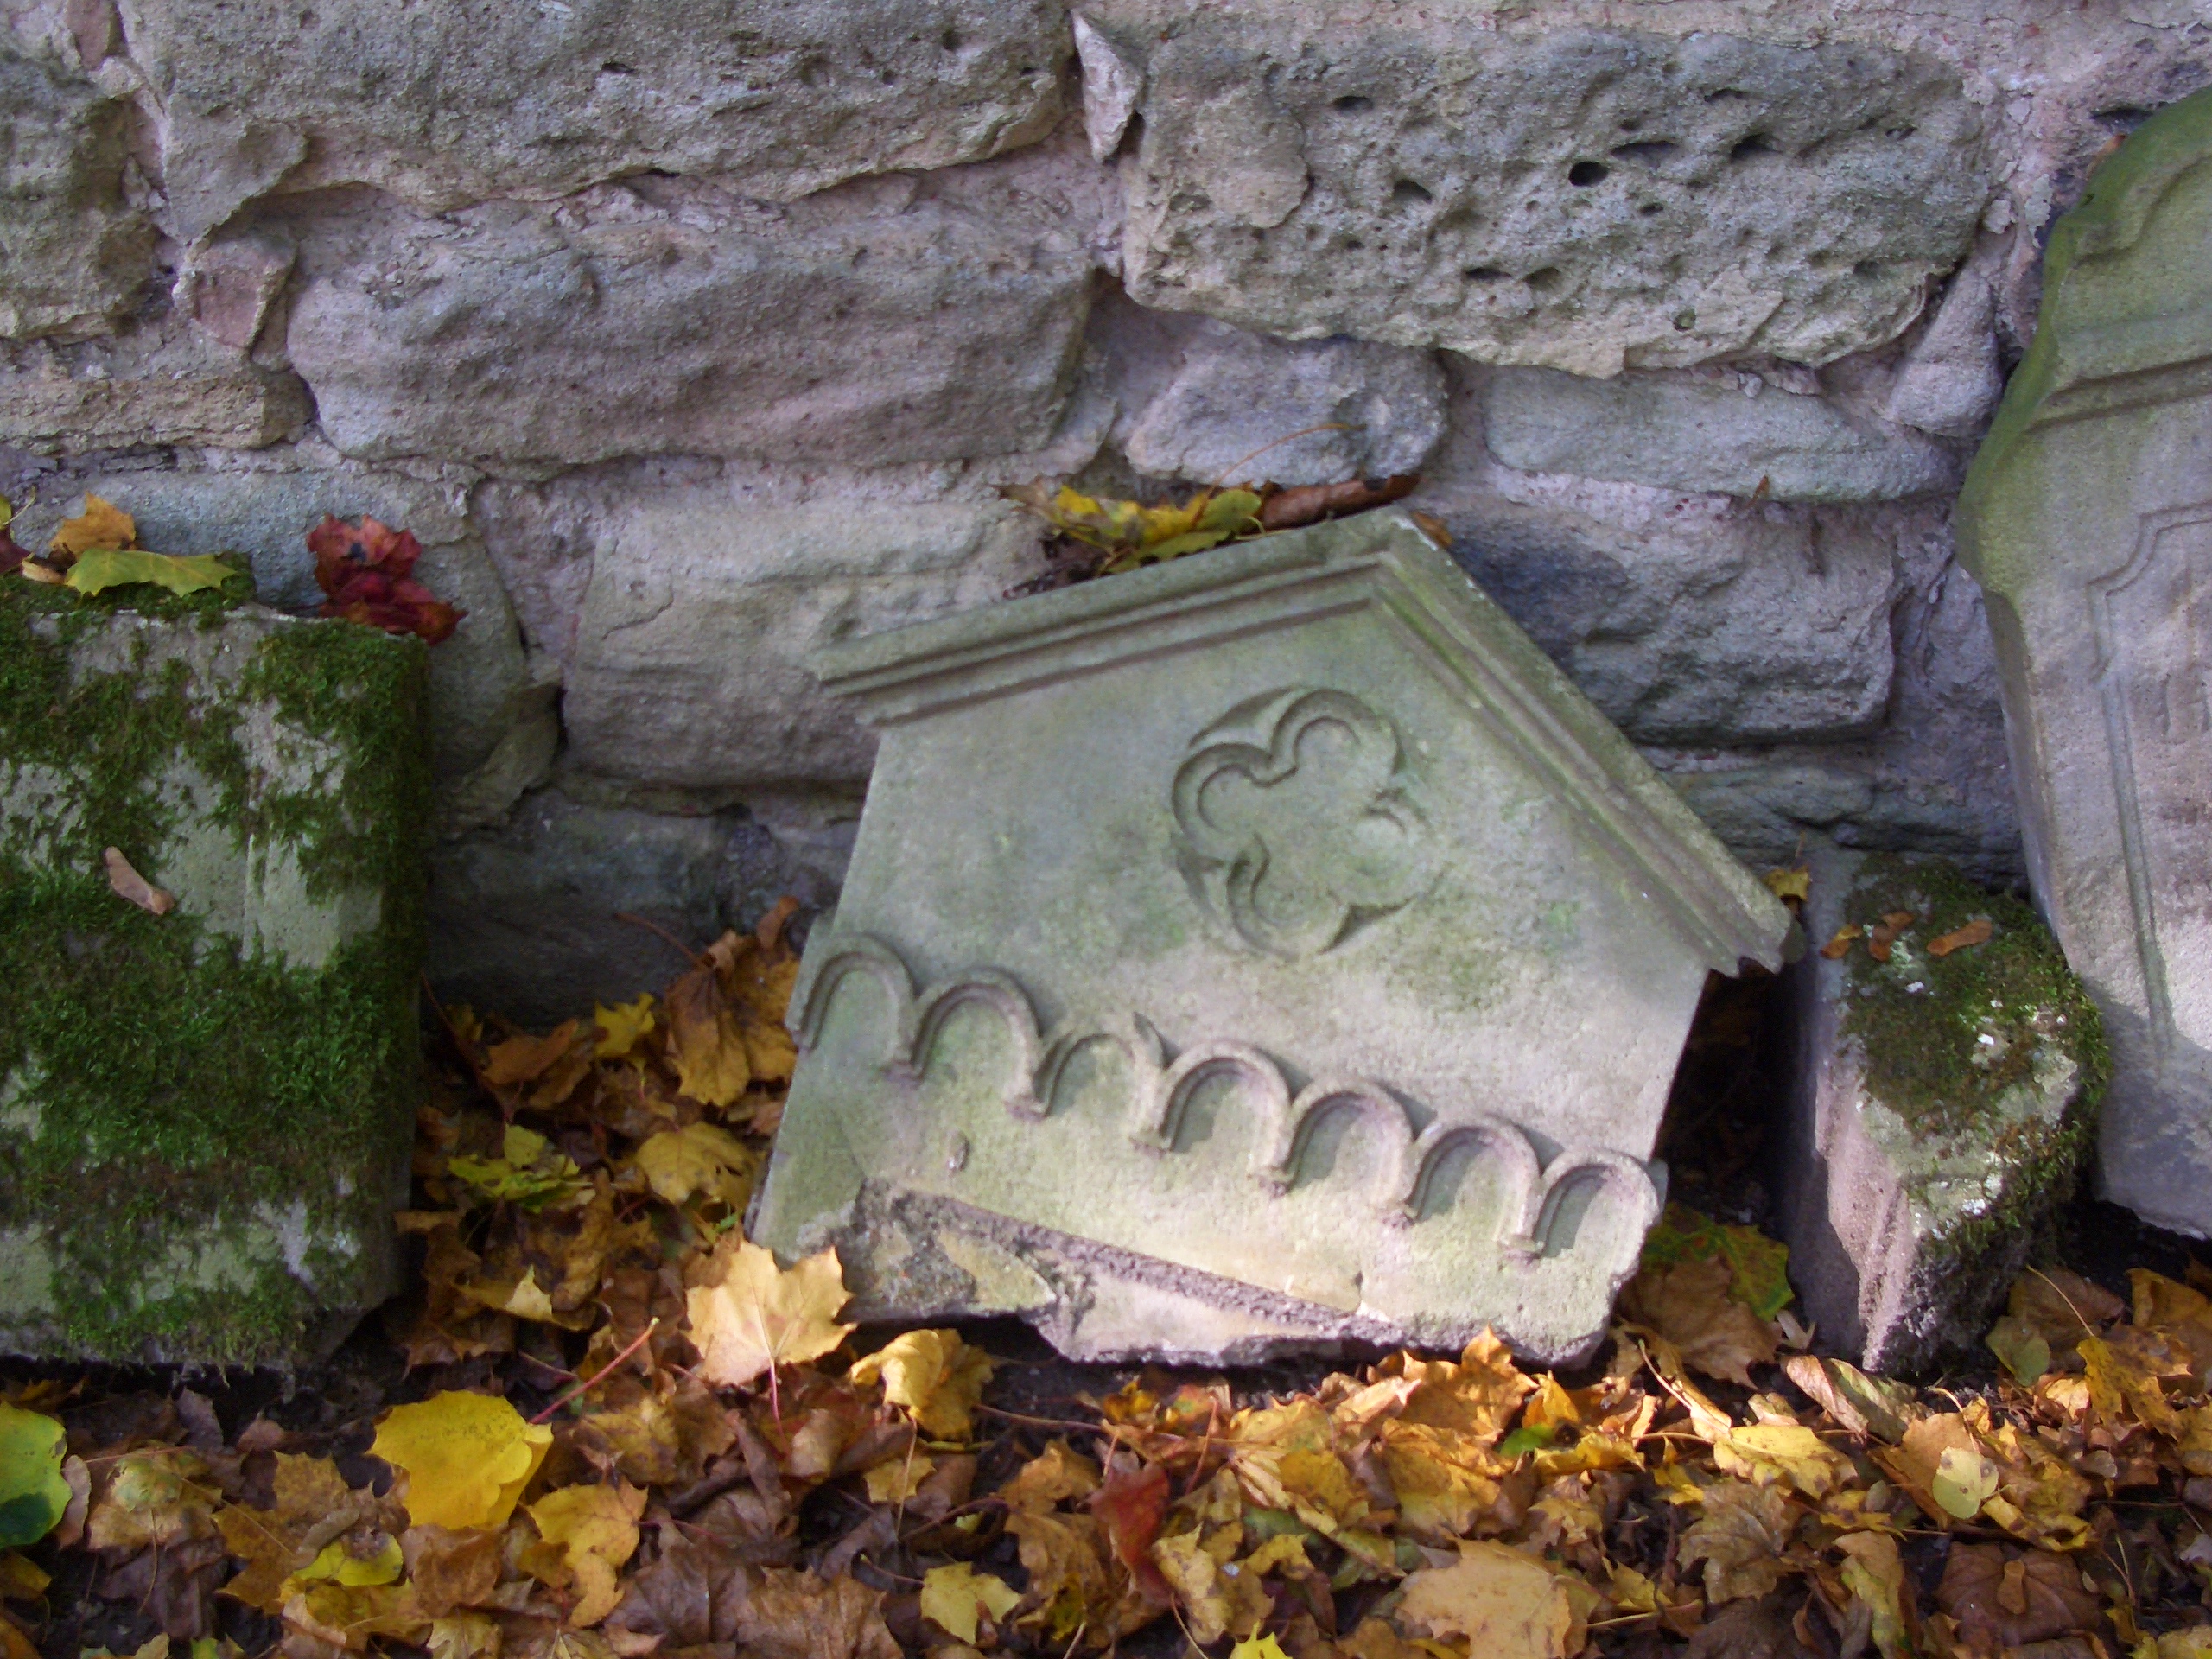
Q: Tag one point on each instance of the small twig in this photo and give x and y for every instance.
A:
(1303, 432)
(696, 960)
(601, 1375)
(1056, 1422)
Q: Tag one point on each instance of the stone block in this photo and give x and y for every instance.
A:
(493, 728)
(150, 385)
(453, 103)
(74, 256)
(2087, 517)
(1573, 198)
(1231, 397)
(1733, 435)
(688, 671)
(1940, 1109)
(1263, 949)
(611, 326)
(205, 1114)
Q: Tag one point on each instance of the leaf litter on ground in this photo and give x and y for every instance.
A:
(615, 1426)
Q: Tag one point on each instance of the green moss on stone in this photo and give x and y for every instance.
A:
(197, 1137)
(1946, 1037)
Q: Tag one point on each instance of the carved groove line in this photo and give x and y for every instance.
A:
(1535, 1192)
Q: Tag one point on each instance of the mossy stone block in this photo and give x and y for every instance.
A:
(204, 1114)
(1941, 1108)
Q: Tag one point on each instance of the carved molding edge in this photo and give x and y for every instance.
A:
(1535, 1191)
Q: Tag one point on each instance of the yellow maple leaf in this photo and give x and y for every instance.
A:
(1874, 1574)
(1765, 1453)
(100, 524)
(1742, 1538)
(622, 1028)
(951, 1595)
(897, 1478)
(1789, 883)
(595, 1529)
(1508, 1605)
(934, 1374)
(700, 1160)
(747, 1315)
(467, 1457)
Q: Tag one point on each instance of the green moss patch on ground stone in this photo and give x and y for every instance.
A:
(195, 1135)
(1945, 1036)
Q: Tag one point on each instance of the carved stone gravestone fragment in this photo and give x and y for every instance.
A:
(1250, 952)
(2088, 519)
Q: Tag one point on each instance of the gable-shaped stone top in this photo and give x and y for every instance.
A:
(1308, 819)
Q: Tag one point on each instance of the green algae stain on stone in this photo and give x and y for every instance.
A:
(206, 1113)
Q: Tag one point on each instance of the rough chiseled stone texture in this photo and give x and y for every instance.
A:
(1577, 199)
(1940, 1111)
(149, 386)
(2088, 519)
(698, 327)
(1294, 895)
(205, 1114)
(453, 104)
(74, 255)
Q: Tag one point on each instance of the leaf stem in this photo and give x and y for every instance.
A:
(599, 1375)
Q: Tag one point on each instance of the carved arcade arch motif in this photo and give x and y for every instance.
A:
(1161, 1091)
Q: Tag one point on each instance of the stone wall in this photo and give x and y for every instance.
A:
(688, 334)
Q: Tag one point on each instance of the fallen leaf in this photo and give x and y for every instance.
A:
(126, 883)
(97, 571)
(595, 1530)
(933, 1374)
(1507, 1605)
(1965, 1480)
(1742, 1538)
(467, 1457)
(1309, 504)
(1691, 1306)
(951, 1597)
(1840, 942)
(1258, 1647)
(1862, 1404)
(1789, 883)
(1879, 938)
(1766, 1453)
(33, 1493)
(747, 1315)
(622, 1028)
(1056, 1473)
(2025, 1353)
(1976, 931)
(12, 554)
(699, 1160)
(101, 524)
(706, 1039)
(1217, 1598)
(365, 572)
(1874, 1574)
(530, 1172)
(2009, 1599)
(309, 1492)
(1759, 1267)
(1131, 534)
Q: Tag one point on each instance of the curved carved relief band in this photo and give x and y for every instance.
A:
(1295, 826)
(1533, 1193)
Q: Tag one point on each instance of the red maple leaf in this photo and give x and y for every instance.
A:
(365, 572)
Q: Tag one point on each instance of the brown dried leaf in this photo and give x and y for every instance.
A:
(1689, 1306)
(1977, 932)
(126, 883)
(2008, 1597)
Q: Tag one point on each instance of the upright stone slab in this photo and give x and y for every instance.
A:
(204, 1114)
(1942, 1101)
(2088, 520)
(1264, 949)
